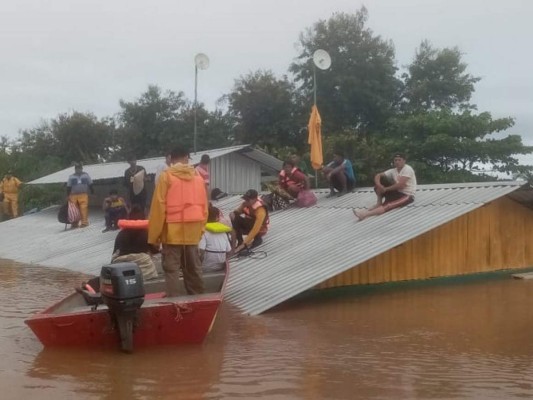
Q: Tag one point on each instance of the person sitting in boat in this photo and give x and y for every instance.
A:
(131, 243)
(397, 186)
(292, 180)
(250, 219)
(115, 208)
(214, 246)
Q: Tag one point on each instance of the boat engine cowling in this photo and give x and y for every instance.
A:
(122, 289)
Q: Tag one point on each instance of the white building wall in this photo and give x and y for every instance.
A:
(235, 174)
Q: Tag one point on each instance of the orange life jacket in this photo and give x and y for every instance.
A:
(286, 180)
(133, 223)
(186, 200)
(251, 213)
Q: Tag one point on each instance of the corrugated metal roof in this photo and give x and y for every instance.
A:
(304, 246)
(308, 246)
(116, 169)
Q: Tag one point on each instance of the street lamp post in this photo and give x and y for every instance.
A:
(201, 61)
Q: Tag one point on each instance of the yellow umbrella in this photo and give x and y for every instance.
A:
(315, 138)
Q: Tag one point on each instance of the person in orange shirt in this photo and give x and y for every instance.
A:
(178, 214)
(9, 187)
(250, 219)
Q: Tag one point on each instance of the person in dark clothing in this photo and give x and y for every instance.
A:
(131, 245)
(134, 179)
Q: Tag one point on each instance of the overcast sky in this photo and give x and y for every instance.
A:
(64, 55)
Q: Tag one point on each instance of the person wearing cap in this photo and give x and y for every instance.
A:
(397, 186)
(9, 188)
(178, 214)
(134, 178)
(250, 219)
(78, 186)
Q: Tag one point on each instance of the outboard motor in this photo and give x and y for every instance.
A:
(122, 289)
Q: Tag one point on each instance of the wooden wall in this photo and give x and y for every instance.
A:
(496, 236)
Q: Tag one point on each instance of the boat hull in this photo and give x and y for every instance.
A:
(161, 321)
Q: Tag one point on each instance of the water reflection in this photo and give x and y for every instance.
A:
(468, 341)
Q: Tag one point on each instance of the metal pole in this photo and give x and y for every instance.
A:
(195, 104)
(314, 102)
(314, 84)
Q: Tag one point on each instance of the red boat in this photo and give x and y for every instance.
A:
(160, 320)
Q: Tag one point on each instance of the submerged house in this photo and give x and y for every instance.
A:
(450, 229)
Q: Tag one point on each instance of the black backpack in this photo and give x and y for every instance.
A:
(62, 214)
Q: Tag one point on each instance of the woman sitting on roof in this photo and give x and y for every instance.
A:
(292, 180)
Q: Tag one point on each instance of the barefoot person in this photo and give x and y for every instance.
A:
(396, 186)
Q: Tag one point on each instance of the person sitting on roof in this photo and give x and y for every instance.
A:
(214, 245)
(339, 174)
(115, 208)
(292, 180)
(131, 243)
(251, 219)
(396, 185)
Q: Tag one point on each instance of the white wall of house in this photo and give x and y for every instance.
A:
(234, 174)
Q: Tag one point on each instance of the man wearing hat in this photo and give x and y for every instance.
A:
(397, 186)
(177, 218)
(250, 219)
(9, 188)
(78, 186)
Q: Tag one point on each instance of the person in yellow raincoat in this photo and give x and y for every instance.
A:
(9, 187)
(178, 214)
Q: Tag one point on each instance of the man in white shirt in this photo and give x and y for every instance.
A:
(396, 185)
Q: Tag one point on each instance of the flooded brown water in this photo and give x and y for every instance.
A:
(444, 341)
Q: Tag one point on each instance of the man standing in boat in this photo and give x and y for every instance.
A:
(397, 186)
(177, 218)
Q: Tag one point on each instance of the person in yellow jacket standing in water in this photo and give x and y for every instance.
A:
(9, 188)
(178, 214)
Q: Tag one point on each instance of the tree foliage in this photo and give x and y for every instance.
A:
(437, 79)
(360, 88)
(262, 107)
(157, 121)
(368, 110)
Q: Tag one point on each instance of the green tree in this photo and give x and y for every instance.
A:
(360, 89)
(146, 123)
(436, 79)
(262, 107)
(69, 137)
(452, 146)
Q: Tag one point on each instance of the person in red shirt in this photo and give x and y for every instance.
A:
(292, 179)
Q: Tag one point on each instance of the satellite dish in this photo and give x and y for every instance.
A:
(201, 61)
(322, 59)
